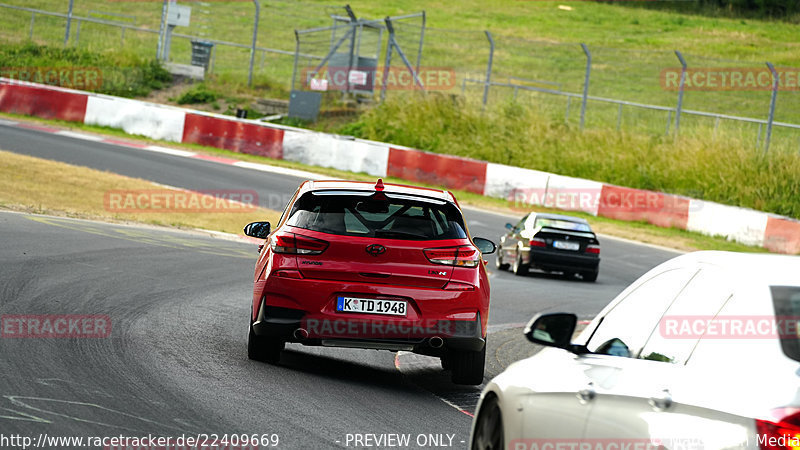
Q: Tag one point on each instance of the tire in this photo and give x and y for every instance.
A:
(590, 276)
(519, 268)
(489, 427)
(264, 349)
(468, 366)
(498, 261)
(446, 361)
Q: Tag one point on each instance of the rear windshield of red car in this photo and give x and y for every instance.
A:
(786, 300)
(378, 215)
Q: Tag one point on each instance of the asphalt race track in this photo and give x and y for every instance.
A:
(175, 362)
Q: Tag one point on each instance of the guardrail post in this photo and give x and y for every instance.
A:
(585, 83)
(488, 68)
(69, 22)
(253, 47)
(679, 108)
(771, 106)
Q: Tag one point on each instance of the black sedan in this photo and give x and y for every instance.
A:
(552, 243)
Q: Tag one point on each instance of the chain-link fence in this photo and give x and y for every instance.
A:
(588, 87)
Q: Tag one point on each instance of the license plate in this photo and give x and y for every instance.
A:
(371, 306)
(564, 245)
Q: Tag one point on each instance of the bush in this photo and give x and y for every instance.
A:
(113, 72)
(198, 94)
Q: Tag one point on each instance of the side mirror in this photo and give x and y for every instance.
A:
(484, 245)
(257, 230)
(552, 330)
(509, 226)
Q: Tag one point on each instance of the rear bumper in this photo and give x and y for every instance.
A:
(554, 260)
(292, 325)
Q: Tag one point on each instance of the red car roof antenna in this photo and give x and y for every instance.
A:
(379, 185)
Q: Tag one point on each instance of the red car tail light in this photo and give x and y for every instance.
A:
(537, 242)
(297, 244)
(782, 433)
(458, 286)
(284, 273)
(462, 256)
(593, 249)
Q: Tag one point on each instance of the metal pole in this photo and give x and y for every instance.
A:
(680, 92)
(296, 55)
(488, 68)
(388, 59)
(253, 47)
(69, 22)
(421, 41)
(161, 30)
(619, 117)
(353, 21)
(33, 19)
(585, 83)
(771, 106)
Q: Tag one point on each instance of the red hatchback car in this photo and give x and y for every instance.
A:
(363, 265)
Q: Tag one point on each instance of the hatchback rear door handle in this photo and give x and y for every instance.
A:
(661, 401)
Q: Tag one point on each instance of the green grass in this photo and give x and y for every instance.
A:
(724, 169)
(112, 72)
(631, 43)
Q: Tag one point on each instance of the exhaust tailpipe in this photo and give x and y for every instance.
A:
(435, 342)
(300, 334)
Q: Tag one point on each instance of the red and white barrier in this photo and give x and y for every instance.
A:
(734, 224)
(776, 233)
(336, 152)
(135, 117)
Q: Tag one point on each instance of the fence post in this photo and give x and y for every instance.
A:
(488, 68)
(771, 106)
(585, 83)
(33, 20)
(296, 56)
(388, 61)
(253, 47)
(679, 108)
(161, 30)
(69, 22)
(421, 40)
